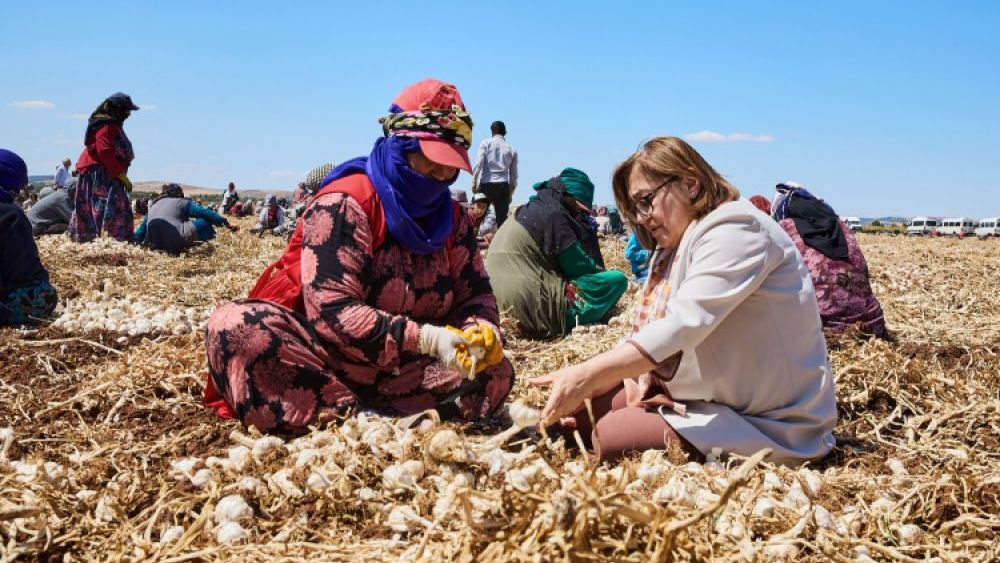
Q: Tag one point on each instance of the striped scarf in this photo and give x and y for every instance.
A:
(649, 390)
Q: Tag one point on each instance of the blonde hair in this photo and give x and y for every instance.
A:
(670, 157)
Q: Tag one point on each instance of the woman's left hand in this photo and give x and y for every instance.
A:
(571, 386)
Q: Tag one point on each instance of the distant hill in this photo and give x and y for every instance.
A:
(189, 190)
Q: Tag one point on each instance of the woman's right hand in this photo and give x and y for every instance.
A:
(441, 343)
(570, 387)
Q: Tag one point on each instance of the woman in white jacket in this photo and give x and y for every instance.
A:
(727, 349)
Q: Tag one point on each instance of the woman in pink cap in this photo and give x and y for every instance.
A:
(381, 300)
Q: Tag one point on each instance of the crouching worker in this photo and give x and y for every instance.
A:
(175, 223)
(727, 348)
(836, 263)
(380, 301)
(272, 218)
(25, 293)
(50, 216)
(484, 221)
(546, 265)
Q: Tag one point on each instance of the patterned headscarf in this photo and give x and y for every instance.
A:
(452, 125)
(315, 176)
(784, 192)
(116, 108)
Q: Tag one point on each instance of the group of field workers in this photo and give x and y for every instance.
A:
(383, 301)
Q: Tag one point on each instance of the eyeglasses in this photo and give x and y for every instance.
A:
(644, 205)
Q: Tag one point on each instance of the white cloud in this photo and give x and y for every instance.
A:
(714, 137)
(148, 107)
(78, 116)
(63, 141)
(31, 104)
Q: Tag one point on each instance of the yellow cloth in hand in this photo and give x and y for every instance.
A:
(482, 339)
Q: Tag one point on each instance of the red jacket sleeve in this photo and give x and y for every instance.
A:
(104, 147)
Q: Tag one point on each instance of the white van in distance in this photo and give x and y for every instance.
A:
(921, 226)
(988, 227)
(956, 226)
(853, 223)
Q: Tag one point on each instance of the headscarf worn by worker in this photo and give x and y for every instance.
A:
(116, 108)
(315, 177)
(13, 175)
(418, 210)
(171, 190)
(814, 219)
(556, 221)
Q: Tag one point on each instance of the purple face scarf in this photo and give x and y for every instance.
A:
(418, 209)
(13, 175)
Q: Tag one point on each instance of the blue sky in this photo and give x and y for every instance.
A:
(886, 107)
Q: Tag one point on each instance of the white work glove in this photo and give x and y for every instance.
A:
(441, 343)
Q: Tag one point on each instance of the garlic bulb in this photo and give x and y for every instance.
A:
(201, 478)
(445, 445)
(252, 485)
(307, 456)
(813, 482)
(317, 481)
(764, 508)
(398, 478)
(230, 532)
(796, 498)
(171, 534)
(524, 416)
(264, 446)
(232, 508)
(405, 519)
(240, 457)
(676, 490)
(104, 511)
(772, 482)
(649, 473)
(284, 485)
(908, 533)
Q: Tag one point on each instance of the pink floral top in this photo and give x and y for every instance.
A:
(369, 303)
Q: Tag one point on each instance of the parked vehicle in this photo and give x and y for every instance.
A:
(956, 227)
(922, 226)
(988, 227)
(853, 223)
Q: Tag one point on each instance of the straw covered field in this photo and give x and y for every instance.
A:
(108, 454)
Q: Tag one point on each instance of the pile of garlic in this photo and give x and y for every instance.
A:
(96, 247)
(127, 317)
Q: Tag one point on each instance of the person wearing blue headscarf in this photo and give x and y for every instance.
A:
(25, 293)
(394, 299)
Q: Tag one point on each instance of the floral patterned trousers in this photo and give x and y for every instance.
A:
(28, 304)
(101, 204)
(276, 373)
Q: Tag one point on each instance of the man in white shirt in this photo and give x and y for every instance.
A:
(62, 173)
(495, 173)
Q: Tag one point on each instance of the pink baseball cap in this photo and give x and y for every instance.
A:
(434, 94)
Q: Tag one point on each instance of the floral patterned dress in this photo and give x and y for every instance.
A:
(101, 200)
(356, 344)
(843, 290)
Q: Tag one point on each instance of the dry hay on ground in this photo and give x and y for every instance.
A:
(111, 456)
